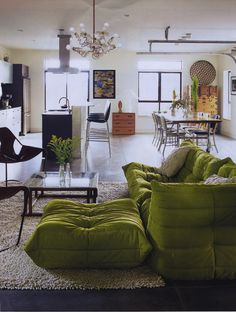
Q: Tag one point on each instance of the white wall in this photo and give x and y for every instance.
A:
(228, 127)
(125, 64)
(5, 52)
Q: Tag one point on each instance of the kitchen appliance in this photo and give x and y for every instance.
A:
(6, 100)
(21, 94)
(64, 56)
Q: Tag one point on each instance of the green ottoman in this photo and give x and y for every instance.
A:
(76, 235)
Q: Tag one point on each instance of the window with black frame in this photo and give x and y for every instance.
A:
(155, 90)
(74, 87)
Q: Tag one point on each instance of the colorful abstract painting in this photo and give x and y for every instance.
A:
(104, 84)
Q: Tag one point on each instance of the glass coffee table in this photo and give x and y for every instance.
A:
(86, 183)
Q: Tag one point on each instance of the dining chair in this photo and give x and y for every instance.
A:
(201, 134)
(170, 135)
(157, 129)
(8, 152)
(99, 134)
(8, 192)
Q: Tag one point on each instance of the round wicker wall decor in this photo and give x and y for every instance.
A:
(204, 71)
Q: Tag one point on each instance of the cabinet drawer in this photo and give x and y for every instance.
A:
(213, 90)
(204, 90)
(123, 123)
(123, 131)
(123, 116)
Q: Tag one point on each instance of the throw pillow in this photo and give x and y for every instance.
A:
(174, 162)
(215, 179)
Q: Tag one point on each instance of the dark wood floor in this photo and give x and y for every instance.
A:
(177, 295)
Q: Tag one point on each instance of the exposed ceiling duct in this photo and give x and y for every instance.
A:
(64, 56)
(183, 41)
(231, 55)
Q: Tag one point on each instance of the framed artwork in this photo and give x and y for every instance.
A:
(104, 84)
(233, 85)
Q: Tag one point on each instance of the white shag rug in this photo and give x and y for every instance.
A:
(18, 271)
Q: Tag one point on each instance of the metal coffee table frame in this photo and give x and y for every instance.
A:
(86, 182)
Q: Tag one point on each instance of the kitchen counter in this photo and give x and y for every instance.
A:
(11, 118)
(57, 112)
(65, 124)
(2, 109)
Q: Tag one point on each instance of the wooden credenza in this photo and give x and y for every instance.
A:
(208, 100)
(123, 123)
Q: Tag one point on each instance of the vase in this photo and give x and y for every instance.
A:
(120, 107)
(62, 173)
(68, 172)
(173, 112)
(187, 112)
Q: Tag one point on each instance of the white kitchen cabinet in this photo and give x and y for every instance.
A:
(6, 72)
(11, 118)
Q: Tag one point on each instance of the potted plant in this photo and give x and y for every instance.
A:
(180, 103)
(177, 104)
(63, 150)
(173, 105)
(194, 89)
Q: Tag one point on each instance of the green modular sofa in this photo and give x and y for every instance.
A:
(191, 225)
(183, 228)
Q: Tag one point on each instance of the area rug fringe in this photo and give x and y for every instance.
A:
(18, 271)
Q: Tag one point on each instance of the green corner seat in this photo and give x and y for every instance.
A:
(76, 235)
(197, 167)
(192, 228)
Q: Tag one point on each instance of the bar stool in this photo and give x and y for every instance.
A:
(99, 134)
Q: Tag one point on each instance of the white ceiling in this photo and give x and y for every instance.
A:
(41, 19)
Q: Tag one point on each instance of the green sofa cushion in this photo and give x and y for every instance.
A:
(228, 170)
(139, 177)
(214, 166)
(192, 228)
(198, 166)
(139, 166)
(76, 235)
(144, 210)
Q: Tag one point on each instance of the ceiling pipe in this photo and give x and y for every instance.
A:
(181, 41)
(193, 41)
(187, 53)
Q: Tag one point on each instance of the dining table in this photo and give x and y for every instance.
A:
(178, 120)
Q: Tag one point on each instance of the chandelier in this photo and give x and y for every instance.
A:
(97, 44)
